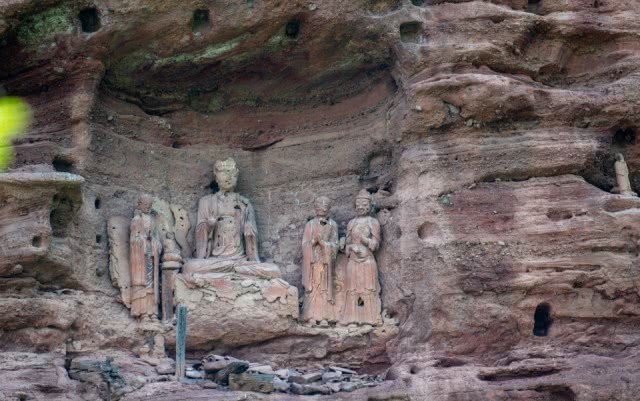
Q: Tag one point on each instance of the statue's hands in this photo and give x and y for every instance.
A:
(372, 245)
(341, 244)
(361, 252)
(348, 249)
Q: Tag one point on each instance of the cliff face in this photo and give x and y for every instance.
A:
(486, 130)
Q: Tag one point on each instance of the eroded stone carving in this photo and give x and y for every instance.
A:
(171, 264)
(319, 250)
(361, 285)
(144, 260)
(119, 271)
(623, 186)
(236, 311)
(226, 233)
(145, 254)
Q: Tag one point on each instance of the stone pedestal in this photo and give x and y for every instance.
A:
(234, 311)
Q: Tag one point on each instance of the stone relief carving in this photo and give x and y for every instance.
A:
(144, 257)
(171, 264)
(144, 260)
(154, 275)
(623, 186)
(226, 233)
(361, 284)
(319, 250)
(347, 293)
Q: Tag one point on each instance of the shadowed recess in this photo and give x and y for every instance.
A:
(292, 28)
(624, 136)
(89, 20)
(542, 320)
(200, 20)
(412, 32)
(62, 165)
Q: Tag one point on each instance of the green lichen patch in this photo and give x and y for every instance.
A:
(207, 54)
(122, 74)
(216, 103)
(43, 27)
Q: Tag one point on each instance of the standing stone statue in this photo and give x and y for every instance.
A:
(144, 260)
(623, 186)
(319, 250)
(226, 232)
(171, 264)
(362, 287)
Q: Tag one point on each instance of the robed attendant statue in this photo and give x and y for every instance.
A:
(319, 250)
(362, 288)
(144, 260)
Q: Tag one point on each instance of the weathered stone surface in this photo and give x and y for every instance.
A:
(214, 363)
(38, 313)
(232, 313)
(306, 378)
(331, 376)
(36, 376)
(281, 385)
(36, 209)
(488, 130)
(309, 389)
(166, 368)
(119, 270)
(257, 382)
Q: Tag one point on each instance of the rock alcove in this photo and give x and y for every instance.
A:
(416, 101)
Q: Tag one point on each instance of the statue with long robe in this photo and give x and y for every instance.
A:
(319, 250)
(623, 185)
(362, 287)
(144, 260)
(226, 232)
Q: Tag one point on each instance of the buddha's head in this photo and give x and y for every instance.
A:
(363, 203)
(226, 174)
(322, 205)
(144, 203)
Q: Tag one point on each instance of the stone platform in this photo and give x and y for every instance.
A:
(234, 311)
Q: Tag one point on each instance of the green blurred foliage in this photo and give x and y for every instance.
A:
(15, 116)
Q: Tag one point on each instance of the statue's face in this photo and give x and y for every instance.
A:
(227, 179)
(322, 207)
(363, 206)
(144, 203)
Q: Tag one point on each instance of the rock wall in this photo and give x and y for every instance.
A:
(486, 130)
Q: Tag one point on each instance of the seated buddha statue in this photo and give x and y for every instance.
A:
(226, 233)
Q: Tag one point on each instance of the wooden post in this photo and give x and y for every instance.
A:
(181, 341)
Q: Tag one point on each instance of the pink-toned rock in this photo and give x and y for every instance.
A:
(487, 133)
(230, 312)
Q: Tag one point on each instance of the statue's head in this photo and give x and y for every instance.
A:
(144, 203)
(363, 203)
(619, 157)
(226, 174)
(322, 205)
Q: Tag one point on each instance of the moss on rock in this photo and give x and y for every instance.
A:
(43, 27)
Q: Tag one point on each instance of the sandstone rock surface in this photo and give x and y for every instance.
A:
(236, 312)
(485, 130)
